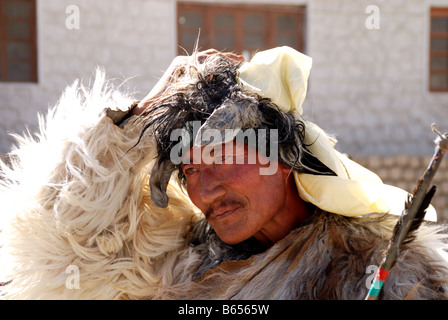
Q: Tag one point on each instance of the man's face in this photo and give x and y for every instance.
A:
(236, 199)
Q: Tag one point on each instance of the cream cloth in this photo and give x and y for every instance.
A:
(281, 74)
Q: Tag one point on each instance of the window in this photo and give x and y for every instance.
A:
(438, 54)
(18, 53)
(239, 28)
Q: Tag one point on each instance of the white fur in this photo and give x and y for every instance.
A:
(76, 194)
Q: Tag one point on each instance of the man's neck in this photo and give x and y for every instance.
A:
(293, 214)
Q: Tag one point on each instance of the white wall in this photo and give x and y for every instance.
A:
(369, 87)
(129, 38)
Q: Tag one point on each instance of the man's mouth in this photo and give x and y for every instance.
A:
(222, 213)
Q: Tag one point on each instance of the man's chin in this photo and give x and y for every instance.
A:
(231, 238)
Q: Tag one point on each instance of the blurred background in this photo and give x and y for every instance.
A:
(379, 77)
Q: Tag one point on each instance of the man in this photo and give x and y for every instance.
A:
(282, 214)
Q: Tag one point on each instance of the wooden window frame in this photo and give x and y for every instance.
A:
(238, 10)
(437, 12)
(32, 21)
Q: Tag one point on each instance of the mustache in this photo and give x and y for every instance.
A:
(223, 203)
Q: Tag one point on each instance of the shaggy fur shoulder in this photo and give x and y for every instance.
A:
(77, 219)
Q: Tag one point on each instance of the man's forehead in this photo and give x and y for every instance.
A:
(196, 154)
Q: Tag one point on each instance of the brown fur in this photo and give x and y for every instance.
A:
(326, 259)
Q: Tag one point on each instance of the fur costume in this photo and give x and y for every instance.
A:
(328, 258)
(76, 197)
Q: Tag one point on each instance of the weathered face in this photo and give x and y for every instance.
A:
(236, 199)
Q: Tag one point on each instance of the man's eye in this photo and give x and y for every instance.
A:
(190, 171)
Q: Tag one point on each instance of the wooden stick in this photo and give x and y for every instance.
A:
(419, 201)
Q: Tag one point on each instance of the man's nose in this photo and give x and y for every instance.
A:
(211, 185)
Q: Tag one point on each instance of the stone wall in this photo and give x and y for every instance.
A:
(133, 40)
(403, 171)
(370, 86)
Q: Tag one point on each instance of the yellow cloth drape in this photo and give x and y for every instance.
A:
(281, 74)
